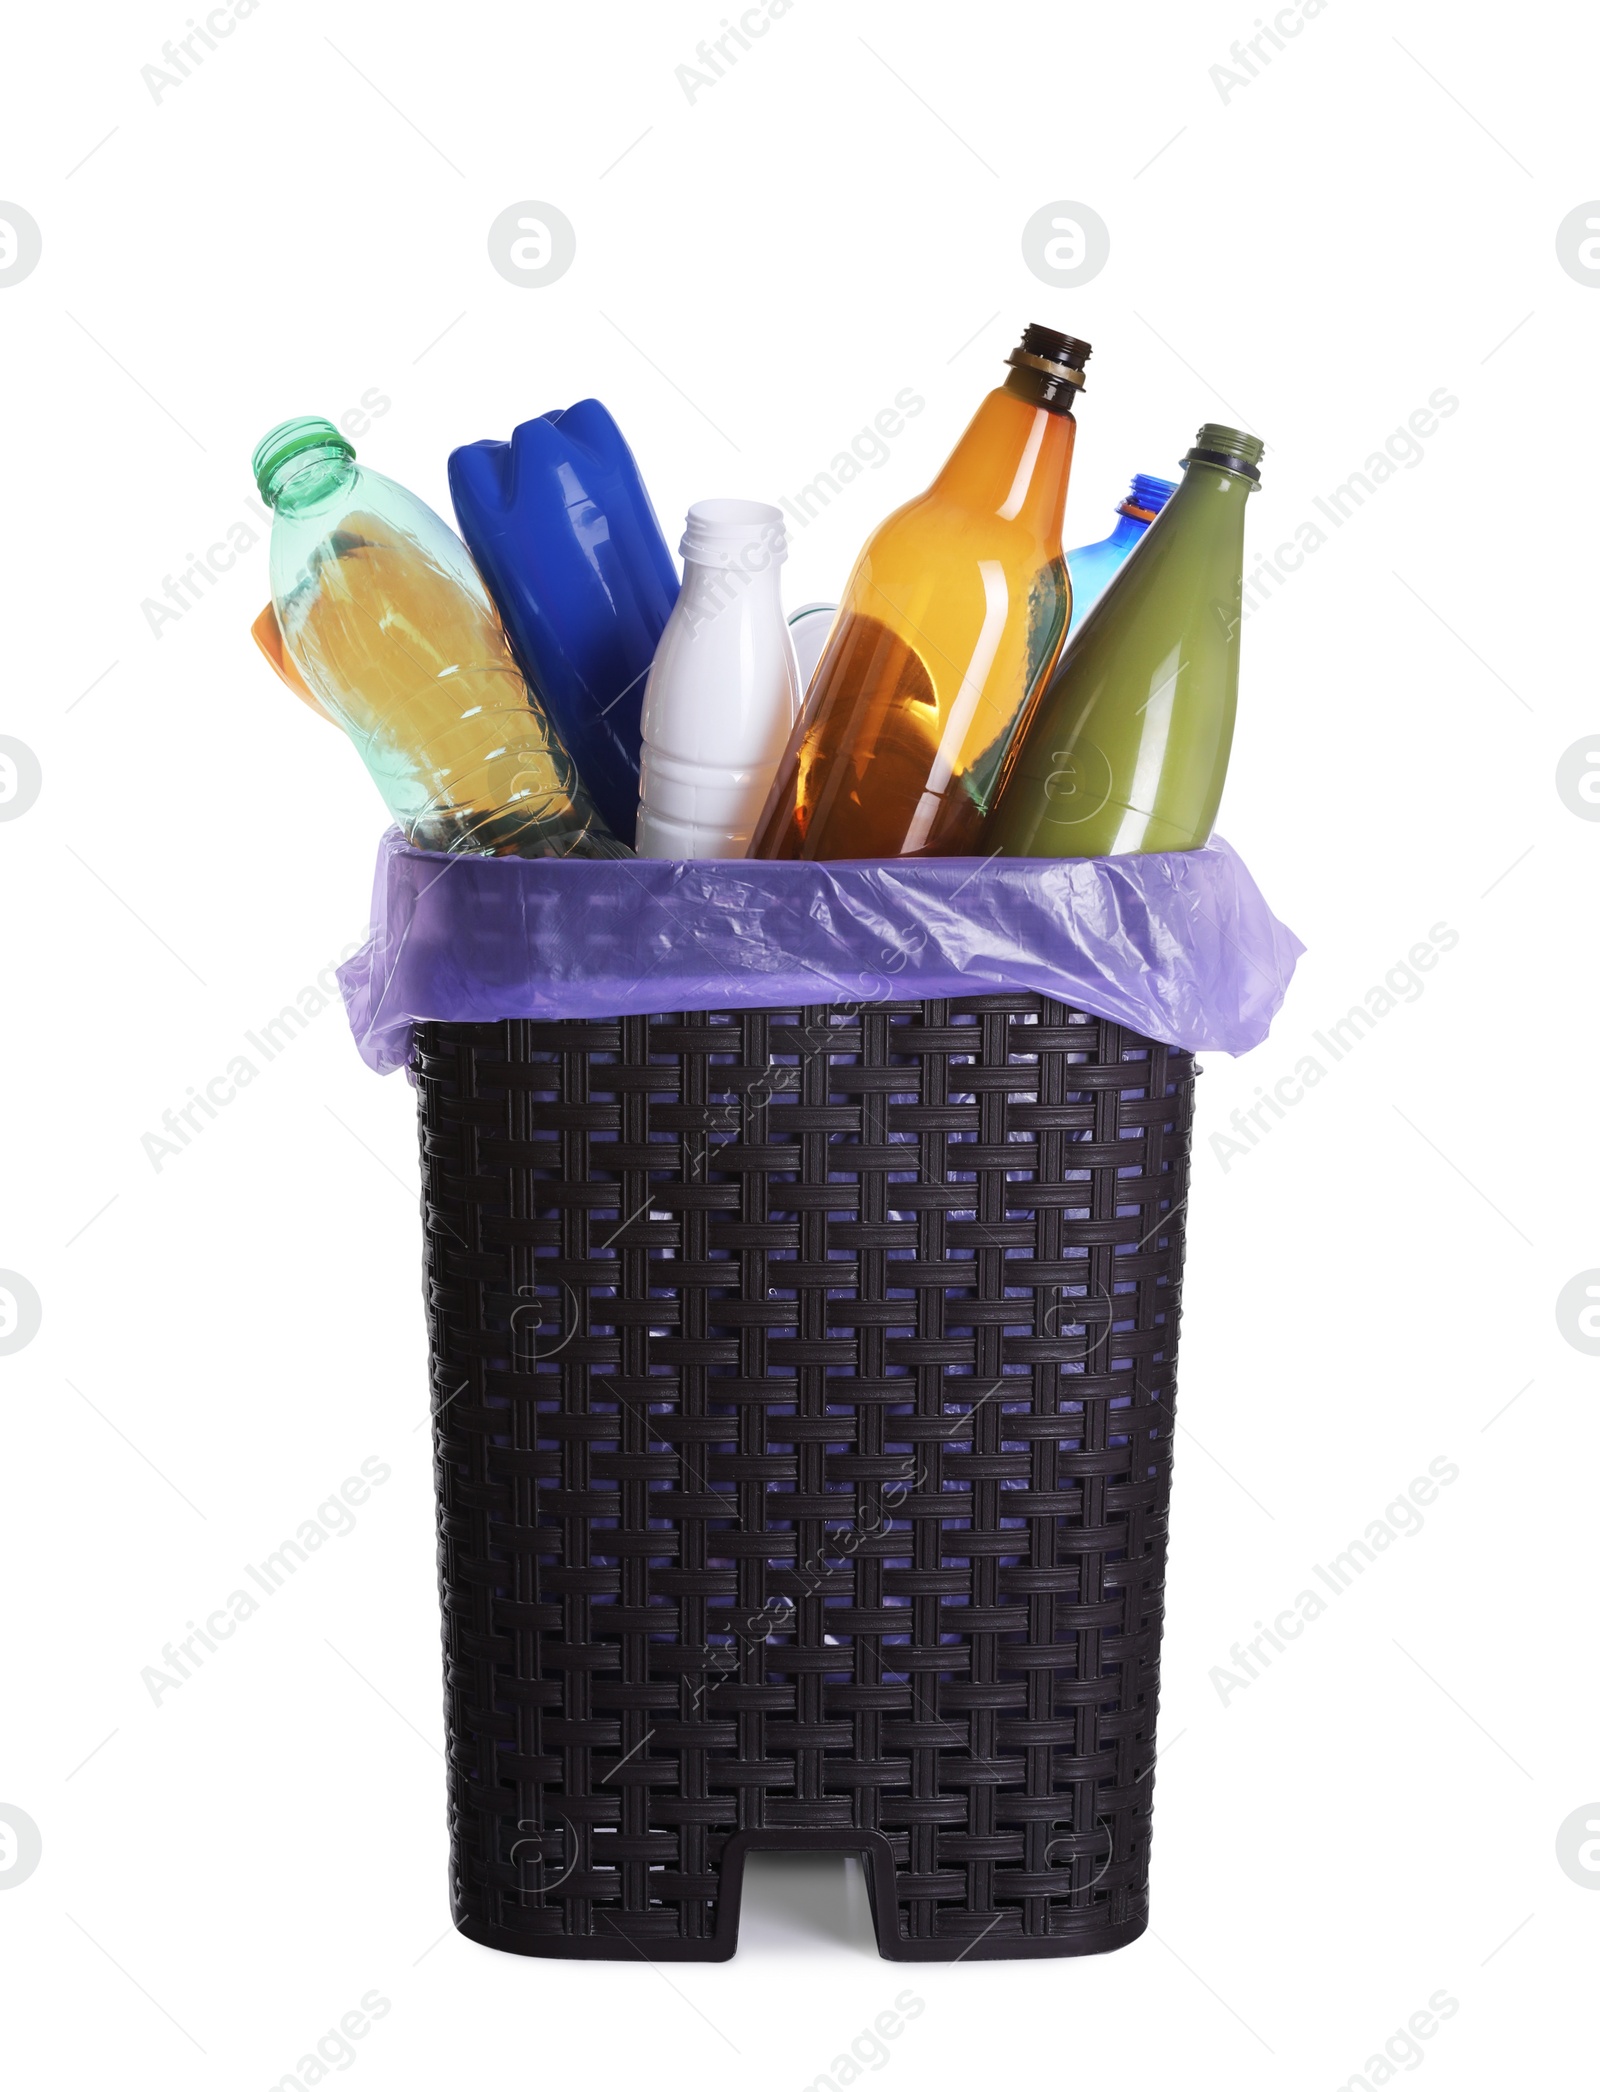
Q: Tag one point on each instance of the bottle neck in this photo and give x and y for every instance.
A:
(310, 477)
(1040, 388)
(1013, 462)
(1208, 508)
(761, 576)
(1205, 481)
(714, 588)
(732, 550)
(1147, 496)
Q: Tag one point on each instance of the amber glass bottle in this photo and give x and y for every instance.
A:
(951, 621)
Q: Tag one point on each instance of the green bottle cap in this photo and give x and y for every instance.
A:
(291, 440)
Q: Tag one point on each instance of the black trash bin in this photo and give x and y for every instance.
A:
(804, 1413)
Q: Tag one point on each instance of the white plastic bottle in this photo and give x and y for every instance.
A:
(724, 688)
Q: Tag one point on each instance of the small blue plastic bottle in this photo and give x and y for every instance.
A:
(1091, 567)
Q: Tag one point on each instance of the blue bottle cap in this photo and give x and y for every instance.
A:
(1150, 493)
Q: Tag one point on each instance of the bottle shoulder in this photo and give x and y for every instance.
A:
(377, 515)
(941, 536)
(1103, 552)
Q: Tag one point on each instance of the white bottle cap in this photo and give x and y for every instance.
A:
(748, 534)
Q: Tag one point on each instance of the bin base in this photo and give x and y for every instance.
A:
(1001, 1939)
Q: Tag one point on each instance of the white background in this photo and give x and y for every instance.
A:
(1371, 1287)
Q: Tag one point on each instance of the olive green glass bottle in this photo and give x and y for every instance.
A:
(1127, 749)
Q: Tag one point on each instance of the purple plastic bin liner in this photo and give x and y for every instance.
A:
(1178, 945)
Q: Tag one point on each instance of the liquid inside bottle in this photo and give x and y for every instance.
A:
(951, 621)
(1128, 748)
(384, 616)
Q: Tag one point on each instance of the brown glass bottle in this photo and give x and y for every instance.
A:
(951, 621)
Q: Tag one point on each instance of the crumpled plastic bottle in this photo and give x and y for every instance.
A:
(564, 534)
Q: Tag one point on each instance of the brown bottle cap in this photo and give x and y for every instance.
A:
(1060, 355)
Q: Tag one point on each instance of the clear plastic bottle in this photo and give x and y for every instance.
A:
(1092, 566)
(809, 627)
(724, 688)
(383, 614)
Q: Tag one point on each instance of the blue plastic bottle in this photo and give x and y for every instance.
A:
(1092, 566)
(563, 533)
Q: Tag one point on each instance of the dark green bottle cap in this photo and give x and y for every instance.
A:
(1232, 449)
